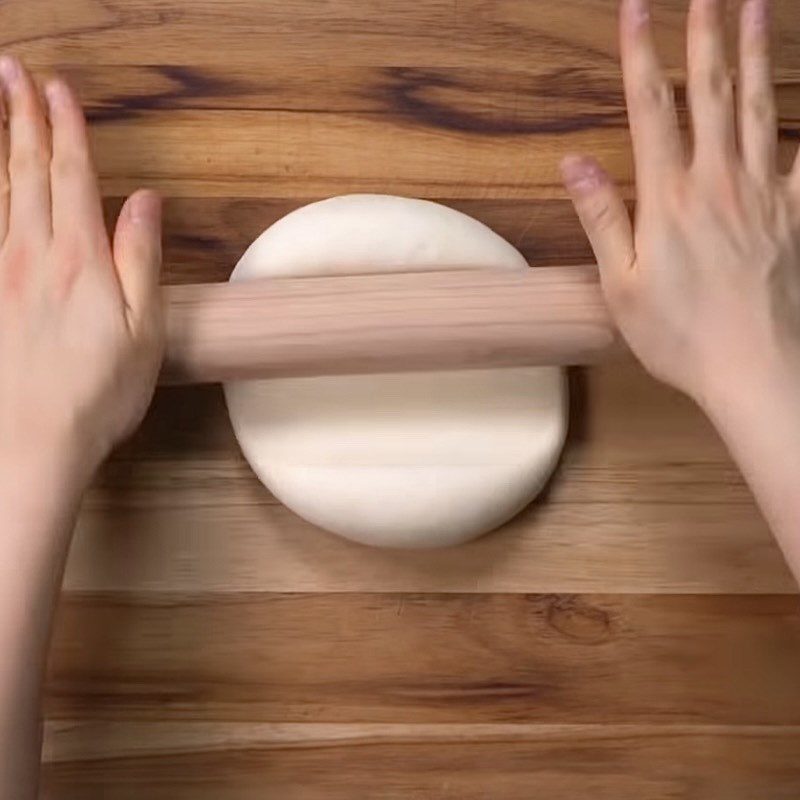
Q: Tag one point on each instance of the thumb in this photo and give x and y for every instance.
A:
(137, 251)
(602, 213)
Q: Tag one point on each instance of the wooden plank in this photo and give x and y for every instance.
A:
(289, 154)
(202, 761)
(305, 154)
(389, 658)
(252, 33)
(536, 113)
(645, 500)
(533, 98)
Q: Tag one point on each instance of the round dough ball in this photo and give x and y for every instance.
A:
(396, 460)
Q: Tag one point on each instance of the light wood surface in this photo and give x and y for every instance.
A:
(634, 634)
(401, 322)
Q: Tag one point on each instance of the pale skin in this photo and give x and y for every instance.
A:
(705, 287)
(80, 348)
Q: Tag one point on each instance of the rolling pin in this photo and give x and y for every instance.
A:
(395, 322)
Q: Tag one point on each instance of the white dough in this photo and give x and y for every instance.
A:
(400, 460)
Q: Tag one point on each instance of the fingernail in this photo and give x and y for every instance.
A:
(145, 207)
(639, 11)
(56, 93)
(10, 69)
(582, 175)
(757, 12)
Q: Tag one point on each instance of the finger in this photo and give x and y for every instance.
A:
(657, 144)
(76, 205)
(758, 118)
(604, 217)
(5, 186)
(137, 253)
(709, 83)
(29, 152)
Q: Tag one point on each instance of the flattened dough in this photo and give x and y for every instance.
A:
(396, 460)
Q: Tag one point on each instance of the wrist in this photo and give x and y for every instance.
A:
(43, 469)
(38, 441)
(756, 412)
(765, 392)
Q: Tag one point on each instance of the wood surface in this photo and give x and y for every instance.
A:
(634, 634)
(399, 322)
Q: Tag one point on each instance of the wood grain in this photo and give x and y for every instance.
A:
(424, 658)
(258, 36)
(307, 694)
(339, 762)
(213, 645)
(488, 133)
(250, 150)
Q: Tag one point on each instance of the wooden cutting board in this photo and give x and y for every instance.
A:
(634, 634)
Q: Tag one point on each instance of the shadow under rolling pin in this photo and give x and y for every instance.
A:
(395, 322)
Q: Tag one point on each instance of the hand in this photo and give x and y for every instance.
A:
(706, 287)
(80, 319)
(80, 347)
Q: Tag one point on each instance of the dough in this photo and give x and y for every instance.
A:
(396, 460)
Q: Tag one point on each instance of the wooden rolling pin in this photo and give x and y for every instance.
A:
(392, 322)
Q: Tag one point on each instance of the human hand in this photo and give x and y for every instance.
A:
(81, 332)
(706, 287)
